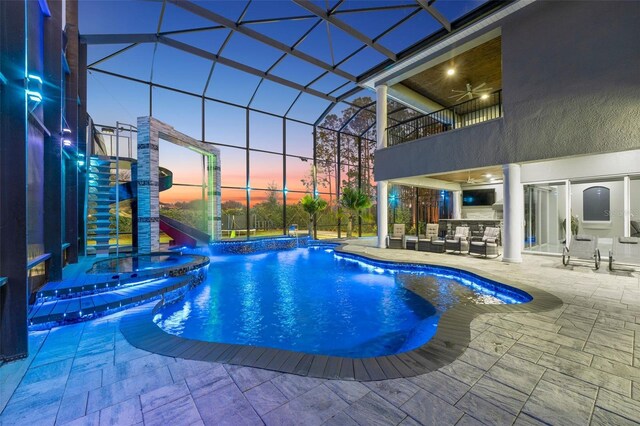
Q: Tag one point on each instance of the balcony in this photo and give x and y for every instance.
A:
(458, 116)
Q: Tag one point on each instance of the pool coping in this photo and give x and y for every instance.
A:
(450, 341)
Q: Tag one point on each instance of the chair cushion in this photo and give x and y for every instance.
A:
(398, 230)
(490, 233)
(462, 231)
(583, 237)
(478, 243)
(437, 242)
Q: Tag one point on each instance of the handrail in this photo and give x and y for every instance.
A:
(457, 116)
(38, 260)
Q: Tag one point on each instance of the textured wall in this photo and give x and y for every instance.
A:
(571, 86)
(464, 148)
(571, 79)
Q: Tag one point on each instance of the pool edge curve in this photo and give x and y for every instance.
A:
(450, 341)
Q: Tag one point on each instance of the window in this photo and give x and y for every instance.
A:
(595, 204)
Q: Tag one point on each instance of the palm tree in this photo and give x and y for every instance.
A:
(355, 201)
(312, 205)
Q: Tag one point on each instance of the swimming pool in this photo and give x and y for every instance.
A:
(317, 301)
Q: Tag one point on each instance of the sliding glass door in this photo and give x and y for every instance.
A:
(545, 217)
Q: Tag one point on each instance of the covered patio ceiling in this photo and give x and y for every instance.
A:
(454, 181)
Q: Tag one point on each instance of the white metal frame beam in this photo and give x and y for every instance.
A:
(321, 13)
(153, 38)
(424, 4)
(227, 23)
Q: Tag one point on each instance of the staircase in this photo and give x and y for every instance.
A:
(101, 220)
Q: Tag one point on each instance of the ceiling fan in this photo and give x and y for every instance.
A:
(471, 92)
(470, 180)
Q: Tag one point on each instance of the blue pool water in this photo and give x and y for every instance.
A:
(315, 301)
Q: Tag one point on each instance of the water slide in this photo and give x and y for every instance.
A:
(182, 234)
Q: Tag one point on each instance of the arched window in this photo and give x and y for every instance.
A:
(595, 204)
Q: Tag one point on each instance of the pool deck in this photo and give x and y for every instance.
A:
(578, 363)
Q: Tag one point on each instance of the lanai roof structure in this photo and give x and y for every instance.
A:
(301, 59)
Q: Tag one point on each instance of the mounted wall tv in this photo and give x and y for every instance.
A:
(479, 197)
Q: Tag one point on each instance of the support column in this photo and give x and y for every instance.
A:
(457, 204)
(53, 183)
(71, 114)
(383, 212)
(381, 134)
(627, 206)
(147, 183)
(83, 120)
(512, 237)
(214, 206)
(13, 181)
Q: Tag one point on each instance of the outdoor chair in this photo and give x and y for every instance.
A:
(582, 247)
(625, 250)
(487, 245)
(431, 243)
(458, 242)
(397, 239)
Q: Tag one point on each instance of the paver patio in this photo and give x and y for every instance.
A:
(577, 364)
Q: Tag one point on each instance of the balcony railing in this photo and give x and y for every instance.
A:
(455, 117)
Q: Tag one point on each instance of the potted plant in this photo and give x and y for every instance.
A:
(575, 224)
(312, 205)
(354, 201)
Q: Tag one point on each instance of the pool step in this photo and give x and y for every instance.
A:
(72, 309)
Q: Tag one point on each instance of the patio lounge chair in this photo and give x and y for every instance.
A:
(625, 250)
(583, 247)
(487, 245)
(459, 241)
(397, 239)
(431, 243)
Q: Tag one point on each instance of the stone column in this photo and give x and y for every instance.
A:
(512, 237)
(213, 202)
(381, 132)
(457, 204)
(147, 184)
